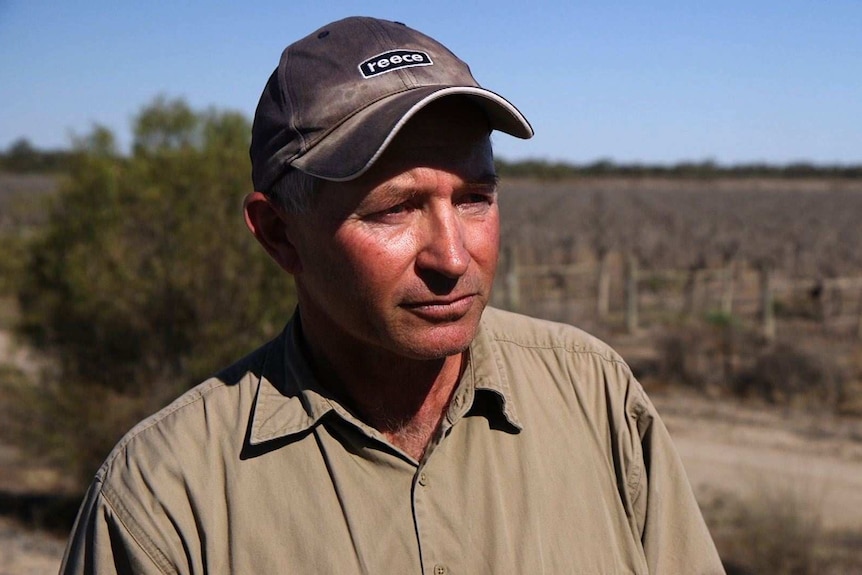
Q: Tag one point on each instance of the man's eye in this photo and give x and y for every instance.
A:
(399, 209)
(391, 212)
(477, 198)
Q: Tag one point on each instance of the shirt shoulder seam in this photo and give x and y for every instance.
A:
(155, 554)
(573, 348)
(191, 397)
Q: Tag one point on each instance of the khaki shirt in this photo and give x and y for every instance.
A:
(550, 459)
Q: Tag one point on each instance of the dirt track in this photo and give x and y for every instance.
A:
(746, 450)
(26, 552)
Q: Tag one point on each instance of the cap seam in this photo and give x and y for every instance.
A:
(384, 38)
(294, 115)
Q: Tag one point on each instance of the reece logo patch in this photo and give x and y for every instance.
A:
(393, 60)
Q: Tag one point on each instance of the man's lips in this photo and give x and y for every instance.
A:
(446, 309)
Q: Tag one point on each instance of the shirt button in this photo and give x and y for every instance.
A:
(440, 569)
(423, 481)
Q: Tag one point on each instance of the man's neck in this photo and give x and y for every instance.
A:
(404, 399)
(408, 410)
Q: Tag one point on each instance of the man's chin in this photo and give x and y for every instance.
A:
(440, 342)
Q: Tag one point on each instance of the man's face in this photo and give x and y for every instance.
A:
(402, 259)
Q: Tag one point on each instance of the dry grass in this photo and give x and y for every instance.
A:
(777, 528)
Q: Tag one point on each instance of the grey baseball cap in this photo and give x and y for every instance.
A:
(340, 95)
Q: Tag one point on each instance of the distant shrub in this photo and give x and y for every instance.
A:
(784, 374)
(13, 258)
(11, 381)
(706, 356)
(690, 356)
(70, 425)
(800, 306)
(723, 356)
(775, 529)
(720, 319)
(22, 157)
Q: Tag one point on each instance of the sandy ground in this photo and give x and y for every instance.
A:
(727, 448)
(750, 450)
(26, 552)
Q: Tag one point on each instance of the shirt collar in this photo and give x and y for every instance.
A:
(485, 372)
(290, 400)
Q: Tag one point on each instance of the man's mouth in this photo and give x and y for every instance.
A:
(442, 309)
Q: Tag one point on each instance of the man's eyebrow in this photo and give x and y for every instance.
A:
(390, 191)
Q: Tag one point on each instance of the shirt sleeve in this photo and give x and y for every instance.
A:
(102, 544)
(673, 533)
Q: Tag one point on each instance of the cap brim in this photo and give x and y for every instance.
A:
(351, 149)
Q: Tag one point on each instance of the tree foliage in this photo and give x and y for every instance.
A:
(145, 279)
(21, 157)
(703, 170)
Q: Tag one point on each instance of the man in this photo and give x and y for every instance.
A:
(397, 425)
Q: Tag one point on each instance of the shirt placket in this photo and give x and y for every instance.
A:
(426, 499)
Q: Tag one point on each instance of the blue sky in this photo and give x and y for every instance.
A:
(656, 82)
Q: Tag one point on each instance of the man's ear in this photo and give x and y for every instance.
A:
(267, 222)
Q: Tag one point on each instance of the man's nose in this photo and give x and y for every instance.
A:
(443, 247)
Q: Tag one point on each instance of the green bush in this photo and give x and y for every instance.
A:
(145, 279)
(12, 262)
